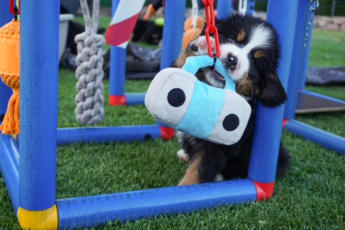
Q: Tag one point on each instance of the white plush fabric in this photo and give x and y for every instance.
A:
(156, 96)
(191, 117)
(233, 104)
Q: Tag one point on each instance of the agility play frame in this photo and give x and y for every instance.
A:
(300, 99)
(29, 165)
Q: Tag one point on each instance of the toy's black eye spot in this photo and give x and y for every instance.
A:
(231, 122)
(176, 97)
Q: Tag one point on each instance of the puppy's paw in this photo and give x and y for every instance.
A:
(199, 46)
(192, 173)
(182, 155)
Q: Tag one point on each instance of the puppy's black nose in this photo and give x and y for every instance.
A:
(232, 62)
(194, 47)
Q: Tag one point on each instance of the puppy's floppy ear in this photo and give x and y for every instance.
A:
(272, 94)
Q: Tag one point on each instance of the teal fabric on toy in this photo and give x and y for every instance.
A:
(194, 63)
(178, 99)
(200, 103)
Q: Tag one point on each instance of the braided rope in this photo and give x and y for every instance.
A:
(90, 100)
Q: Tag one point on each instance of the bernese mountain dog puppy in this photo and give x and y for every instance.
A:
(249, 52)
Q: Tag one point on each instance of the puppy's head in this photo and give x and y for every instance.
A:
(250, 52)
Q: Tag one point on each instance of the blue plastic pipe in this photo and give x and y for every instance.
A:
(5, 13)
(325, 139)
(117, 78)
(307, 44)
(224, 8)
(107, 134)
(298, 59)
(94, 210)
(135, 98)
(268, 129)
(12, 146)
(251, 7)
(172, 31)
(306, 92)
(9, 167)
(5, 91)
(39, 96)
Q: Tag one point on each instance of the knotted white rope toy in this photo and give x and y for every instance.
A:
(90, 100)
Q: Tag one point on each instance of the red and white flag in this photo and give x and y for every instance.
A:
(123, 22)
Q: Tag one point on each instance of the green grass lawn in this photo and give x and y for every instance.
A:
(310, 196)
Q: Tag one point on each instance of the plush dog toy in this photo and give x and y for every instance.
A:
(178, 99)
(191, 32)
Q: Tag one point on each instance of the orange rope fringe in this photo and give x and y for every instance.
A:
(9, 73)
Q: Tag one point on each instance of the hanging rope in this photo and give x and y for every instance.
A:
(193, 26)
(195, 12)
(243, 6)
(90, 100)
(10, 71)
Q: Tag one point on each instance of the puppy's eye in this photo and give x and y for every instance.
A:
(232, 60)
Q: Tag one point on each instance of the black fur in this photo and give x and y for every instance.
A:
(2, 117)
(271, 91)
(233, 161)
